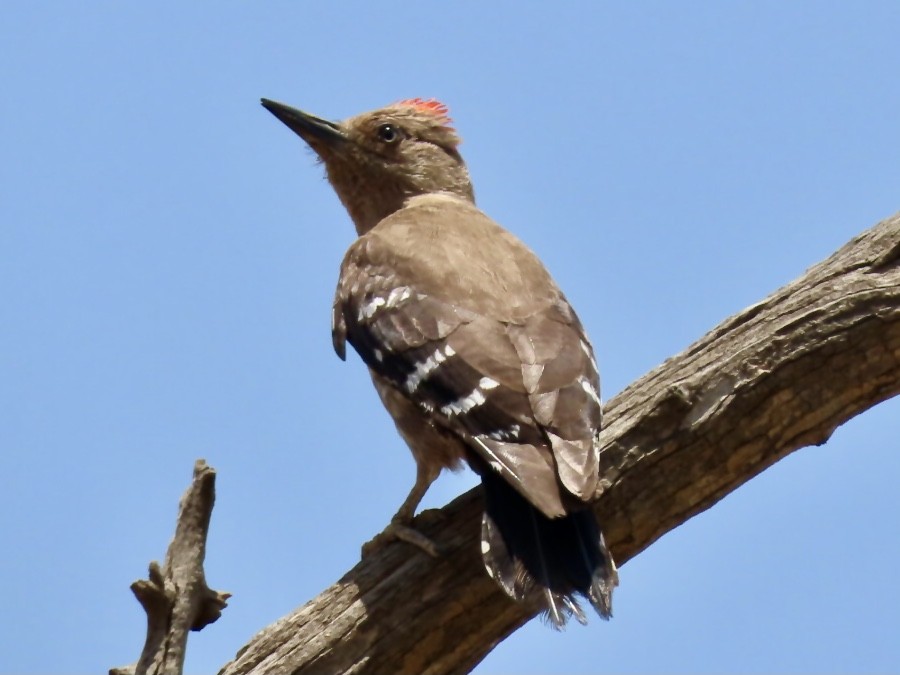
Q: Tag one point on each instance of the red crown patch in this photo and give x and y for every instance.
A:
(430, 106)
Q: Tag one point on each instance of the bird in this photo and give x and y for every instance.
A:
(473, 349)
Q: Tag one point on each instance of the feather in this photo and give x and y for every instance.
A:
(555, 560)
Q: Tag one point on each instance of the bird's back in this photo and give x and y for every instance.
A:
(440, 279)
(456, 253)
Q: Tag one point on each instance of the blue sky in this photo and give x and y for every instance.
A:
(168, 253)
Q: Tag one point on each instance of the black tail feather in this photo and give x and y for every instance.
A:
(552, 560)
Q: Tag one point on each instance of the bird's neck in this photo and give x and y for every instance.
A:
(367, 213)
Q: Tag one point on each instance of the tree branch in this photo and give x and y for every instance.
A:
(782, 374)
(176, 597)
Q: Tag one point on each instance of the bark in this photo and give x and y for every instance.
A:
(782, 374)
(176, 597)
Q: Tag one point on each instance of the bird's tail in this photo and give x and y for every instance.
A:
(533, 557)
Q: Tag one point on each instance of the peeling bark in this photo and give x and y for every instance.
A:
(781, 375)
(175, 596)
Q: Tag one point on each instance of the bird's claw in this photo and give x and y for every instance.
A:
(399, 531)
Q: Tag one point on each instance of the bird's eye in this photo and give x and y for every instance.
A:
(388, 133)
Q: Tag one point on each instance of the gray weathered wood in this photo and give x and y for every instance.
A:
(175, 596)
(780, 375)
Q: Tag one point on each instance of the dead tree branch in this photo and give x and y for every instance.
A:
(781, 375)
(176, 597)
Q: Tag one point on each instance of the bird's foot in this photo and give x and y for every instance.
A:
(400, 531)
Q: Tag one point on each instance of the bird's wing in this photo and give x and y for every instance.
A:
(522, 395)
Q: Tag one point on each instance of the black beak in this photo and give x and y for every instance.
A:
(308, 127)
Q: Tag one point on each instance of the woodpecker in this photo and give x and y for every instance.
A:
(473, 349)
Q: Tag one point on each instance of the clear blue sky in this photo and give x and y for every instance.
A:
(168, 253)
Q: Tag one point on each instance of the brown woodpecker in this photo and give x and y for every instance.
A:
(473, 348)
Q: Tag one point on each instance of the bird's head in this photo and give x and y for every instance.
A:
(378, 160)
